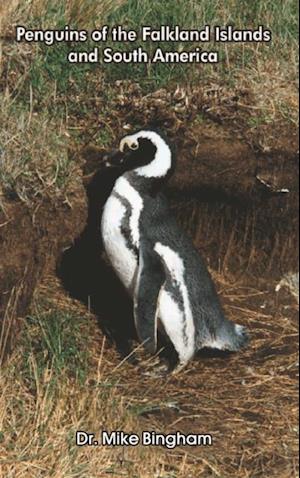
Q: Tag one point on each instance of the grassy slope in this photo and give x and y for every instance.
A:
(39, 78)
(39, 82)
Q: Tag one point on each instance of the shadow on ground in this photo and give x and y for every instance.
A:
(87, 276)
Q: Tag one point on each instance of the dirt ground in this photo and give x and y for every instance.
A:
(29, 246)
(246, 401)
(247, 234)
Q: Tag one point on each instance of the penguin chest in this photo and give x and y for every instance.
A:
(116, 238)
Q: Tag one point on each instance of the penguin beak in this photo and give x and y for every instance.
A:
(115, 159)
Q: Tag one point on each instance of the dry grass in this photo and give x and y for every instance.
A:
(80, 13)
(38, 91)
(234, 240)
(8, 321)
(34, 160)
(248, 402)
(275, 94)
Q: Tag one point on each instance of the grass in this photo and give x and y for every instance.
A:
(53, 14)
(63, 376)
(34, 160)
(56, 342)
(59, 381)
(40, 77)
(280, 17)
(51, 63)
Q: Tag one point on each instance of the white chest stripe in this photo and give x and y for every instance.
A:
(120, 256)
(175, 267)
(124, 189)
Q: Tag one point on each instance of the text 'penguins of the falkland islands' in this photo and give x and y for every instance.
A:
(155, 260)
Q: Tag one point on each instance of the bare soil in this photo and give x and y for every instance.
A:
(31, 241)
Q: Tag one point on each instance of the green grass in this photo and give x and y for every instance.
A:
(50, 64)
(47, 95)
(55, 340)
(49, 389)
(280, 17)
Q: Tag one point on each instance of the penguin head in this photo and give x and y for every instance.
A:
(145, 152)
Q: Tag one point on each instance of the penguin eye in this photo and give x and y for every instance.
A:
(134, 146)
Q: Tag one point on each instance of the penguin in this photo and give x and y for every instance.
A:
(155, 260)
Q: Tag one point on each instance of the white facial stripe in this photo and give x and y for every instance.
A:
(174, 266)
(162, 160)
(131, 143)
(124, 189)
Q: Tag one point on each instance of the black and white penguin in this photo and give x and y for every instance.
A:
(155, 260)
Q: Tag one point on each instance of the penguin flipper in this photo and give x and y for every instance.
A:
(149, 280)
